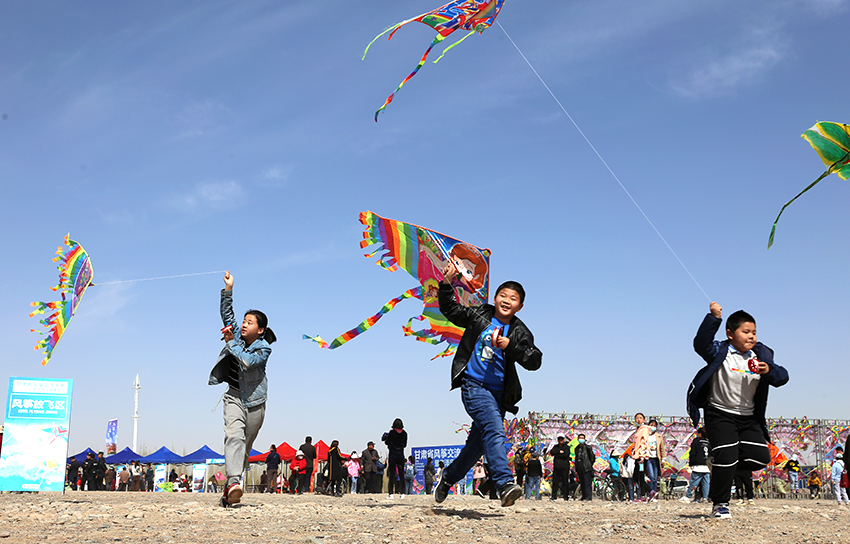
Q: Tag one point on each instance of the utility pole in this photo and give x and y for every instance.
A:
(136, 386)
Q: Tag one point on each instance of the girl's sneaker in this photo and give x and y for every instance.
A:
(750, 502)
(233, 493)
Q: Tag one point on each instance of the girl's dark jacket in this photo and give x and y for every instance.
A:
(520, 349)
(714, 353)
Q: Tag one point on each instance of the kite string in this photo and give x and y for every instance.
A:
(162, 277)
(586, 139)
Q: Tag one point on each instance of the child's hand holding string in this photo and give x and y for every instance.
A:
(716, 310)
(449, 272)
(228, 281)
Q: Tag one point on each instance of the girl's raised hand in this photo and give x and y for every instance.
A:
(228, 281)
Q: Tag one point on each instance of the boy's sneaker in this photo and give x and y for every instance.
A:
(441, 491)
(740, 502)
(390, 497)
(684, 498)
(509, 493)
(233, 493)
(750, 502)
(720, 511)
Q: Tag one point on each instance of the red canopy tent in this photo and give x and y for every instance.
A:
(286, 452)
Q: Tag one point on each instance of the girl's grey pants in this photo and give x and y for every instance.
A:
(241, 426)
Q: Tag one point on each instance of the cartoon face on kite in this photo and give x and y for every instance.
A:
(470, 15)
(831, 141)
(470, 264)
(422, 253)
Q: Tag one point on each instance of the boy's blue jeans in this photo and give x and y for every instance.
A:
(696, 479)
(532, 487)
(486, 435)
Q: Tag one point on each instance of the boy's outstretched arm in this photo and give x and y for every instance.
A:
(704, 343)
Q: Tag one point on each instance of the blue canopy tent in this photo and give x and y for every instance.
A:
(124, 456)
(162, 456)
(82, 455)
(200, 456)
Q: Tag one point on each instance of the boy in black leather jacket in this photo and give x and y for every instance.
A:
(484, 368)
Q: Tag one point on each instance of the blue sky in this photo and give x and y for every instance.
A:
(180, 138)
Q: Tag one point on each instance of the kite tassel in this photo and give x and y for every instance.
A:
(437, 39)
(775, 221)
(446, 50)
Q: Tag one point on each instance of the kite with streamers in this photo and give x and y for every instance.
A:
(470, 15)
(832, 143)
(422, 253)
(75, 276)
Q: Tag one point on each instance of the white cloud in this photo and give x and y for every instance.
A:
(276, 175)
(722, 74)
(207, 195)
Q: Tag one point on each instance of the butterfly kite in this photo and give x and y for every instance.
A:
(423, 254)
(470, 15)
(832, 143)
(75, 276)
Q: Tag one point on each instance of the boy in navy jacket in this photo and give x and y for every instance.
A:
(493, 341)
(732, 391)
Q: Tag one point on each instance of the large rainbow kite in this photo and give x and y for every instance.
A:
(75, 276)
(470, 15)
(832, 143)
(422, 253)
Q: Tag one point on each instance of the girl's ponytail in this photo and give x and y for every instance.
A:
(268, 336)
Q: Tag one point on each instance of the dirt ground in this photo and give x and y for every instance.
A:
(184, 517)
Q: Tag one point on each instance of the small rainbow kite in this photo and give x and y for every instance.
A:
(470, 15)
(75, 276)
(832, 143)
(422, 253)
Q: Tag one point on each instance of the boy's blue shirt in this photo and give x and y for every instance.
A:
(487, 363)
(252, 360)
(714, 353)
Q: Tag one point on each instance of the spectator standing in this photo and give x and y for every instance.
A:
(73, 472)
(99, 472)
(792, 467)
(838, 468)
(655, 460)
(309, 457)
(296, 469)
(584, 467)
(124, 479)
(354, 470)
(378, 482)
(369, 460)
(478, 476)
(698, 461)
(109, 478)
(533, 474)
(149, 476)
(428, 474)
(396, 441)
(410, 475)
(560, 453)
(519, 466)
(89, 472)
(272, 467)
(336, 470)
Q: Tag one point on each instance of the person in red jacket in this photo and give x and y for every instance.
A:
(297, 467)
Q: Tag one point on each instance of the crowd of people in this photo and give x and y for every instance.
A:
(93, 474)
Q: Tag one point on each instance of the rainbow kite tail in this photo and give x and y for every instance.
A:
(416, 292)
(437, 39)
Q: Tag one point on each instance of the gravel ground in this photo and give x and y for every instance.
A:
(184, 517)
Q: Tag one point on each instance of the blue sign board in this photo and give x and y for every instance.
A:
(446, 454)
(35, 434)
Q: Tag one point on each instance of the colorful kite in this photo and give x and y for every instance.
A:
(75, 276)
(422, 253)
(832, 143)
(470, 15)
